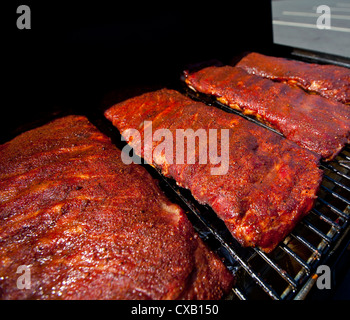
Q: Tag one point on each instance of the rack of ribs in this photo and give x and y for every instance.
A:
(311, 121)
(329, 81)
(271, 182)
(89, 226)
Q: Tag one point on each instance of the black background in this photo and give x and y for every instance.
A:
(76, 53)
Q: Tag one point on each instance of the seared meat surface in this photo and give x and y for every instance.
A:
(271, 183)
(89, 226)
(311, 121)
(329, 81)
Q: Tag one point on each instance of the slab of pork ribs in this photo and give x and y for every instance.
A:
(88, 226)
(271, 182)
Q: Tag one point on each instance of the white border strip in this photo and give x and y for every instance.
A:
(309, 14)
(347, 9)
(307, 25)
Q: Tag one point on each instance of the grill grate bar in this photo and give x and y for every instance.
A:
(346, 157)
(334, 209)
(239, 293)
(309, 225)
(267, 288)
(329, 167)
(337, 183)
(306, 243)
(343, 164)
(326, 219)
(336, 195)
(296, 257)
(275, 266)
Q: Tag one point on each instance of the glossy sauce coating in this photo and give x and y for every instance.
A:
(329, 81)
(271, 182)
(311, 121)
(90, 227)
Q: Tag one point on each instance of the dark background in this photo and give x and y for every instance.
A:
(77, 53)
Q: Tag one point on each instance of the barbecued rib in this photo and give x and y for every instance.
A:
(271, 182)
(311, 121)
(90, 227)
(329, 81)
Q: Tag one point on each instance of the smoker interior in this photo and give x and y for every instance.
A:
(289, 272)
(81, 59)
